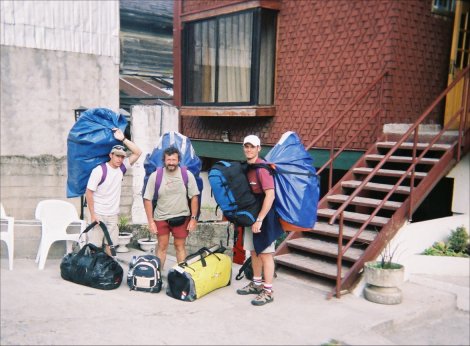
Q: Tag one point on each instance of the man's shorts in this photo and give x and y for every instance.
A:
(179, 232)
(248, 242)
(96, 235)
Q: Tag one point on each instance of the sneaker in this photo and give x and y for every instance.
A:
(263, 298)
(251, 288)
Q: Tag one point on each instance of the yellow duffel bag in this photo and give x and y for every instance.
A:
(200, 273)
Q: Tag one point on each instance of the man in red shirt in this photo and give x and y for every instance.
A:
(260, 238)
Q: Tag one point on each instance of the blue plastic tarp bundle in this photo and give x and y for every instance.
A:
(88, 144)
(297, 185)
(188, 156)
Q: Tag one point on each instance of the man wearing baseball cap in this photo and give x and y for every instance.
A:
(263, 233)
(103, 193)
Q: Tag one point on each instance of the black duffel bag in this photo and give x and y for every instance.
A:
(91, 266)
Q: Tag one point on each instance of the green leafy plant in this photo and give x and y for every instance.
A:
(124, 225)
(145, 232)
(456, 246)
(458, 240)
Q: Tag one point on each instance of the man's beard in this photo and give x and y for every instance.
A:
(171, 168)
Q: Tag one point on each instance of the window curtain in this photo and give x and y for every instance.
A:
(235, 38)
(202, 58)
(267, 55)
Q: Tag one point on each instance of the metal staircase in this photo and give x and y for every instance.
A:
(360, 214)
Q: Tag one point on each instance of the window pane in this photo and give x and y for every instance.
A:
(266, 65)
(201, 62)
(235, 37)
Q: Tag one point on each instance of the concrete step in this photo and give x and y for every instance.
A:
(324, 228)
(401, 159)
(364, 201)
(387, 172)
(375, 186)
(355, 217)
(325, 248)
(310, 265)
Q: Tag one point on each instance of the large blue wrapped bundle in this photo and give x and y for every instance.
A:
(88, 144)
(297, 185)
(188, 157)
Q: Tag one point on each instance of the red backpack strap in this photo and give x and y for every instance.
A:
(104, 168)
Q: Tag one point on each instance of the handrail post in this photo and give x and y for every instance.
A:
(463, 117)
(332, 149)
(412, 176)
(340, 256)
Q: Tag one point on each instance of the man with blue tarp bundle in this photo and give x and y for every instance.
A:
(103, 192)
(260, 238)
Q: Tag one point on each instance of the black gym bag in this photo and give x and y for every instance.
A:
(91, 266)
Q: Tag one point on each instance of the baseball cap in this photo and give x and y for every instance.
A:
(118, 150)
(252, 139)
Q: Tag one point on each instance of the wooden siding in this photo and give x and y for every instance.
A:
(146, 37)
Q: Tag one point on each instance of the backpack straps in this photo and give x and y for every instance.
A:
(158, 182)
(104, 168)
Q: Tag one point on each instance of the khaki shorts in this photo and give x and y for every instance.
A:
(96, 235)
(248, 242)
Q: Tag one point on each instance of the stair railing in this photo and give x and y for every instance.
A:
(331, 128)
(414, 127)
(462, 113)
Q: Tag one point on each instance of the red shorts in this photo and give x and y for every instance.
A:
(178, 231)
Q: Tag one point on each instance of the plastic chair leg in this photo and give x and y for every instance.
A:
(39, 252)
(43, 255)
(11, 249)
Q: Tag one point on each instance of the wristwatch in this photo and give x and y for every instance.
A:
(259, 220)
(194, 217)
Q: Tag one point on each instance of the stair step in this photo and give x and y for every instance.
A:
(310, 265)
(375, 186)
(324, 228)
(401, 159)
(365, 202)
(324, 248)
(408, 145)
(388, 172)
(355, 217)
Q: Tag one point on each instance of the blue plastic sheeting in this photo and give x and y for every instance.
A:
(297, 185)
(188, 157)
(88, 144)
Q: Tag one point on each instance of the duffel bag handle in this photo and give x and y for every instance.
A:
(199, 255)
(106, 234)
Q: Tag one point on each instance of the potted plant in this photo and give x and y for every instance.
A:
(383, 279)
(148, 242)
(125, 234)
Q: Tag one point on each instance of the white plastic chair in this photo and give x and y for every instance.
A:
(56, 216)
(8, 236)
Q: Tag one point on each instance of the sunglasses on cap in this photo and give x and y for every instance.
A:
(119, 147)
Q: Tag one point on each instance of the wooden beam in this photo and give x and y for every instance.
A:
(250, 111)
(221, 9)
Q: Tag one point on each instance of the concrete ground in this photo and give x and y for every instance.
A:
(39, 308)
